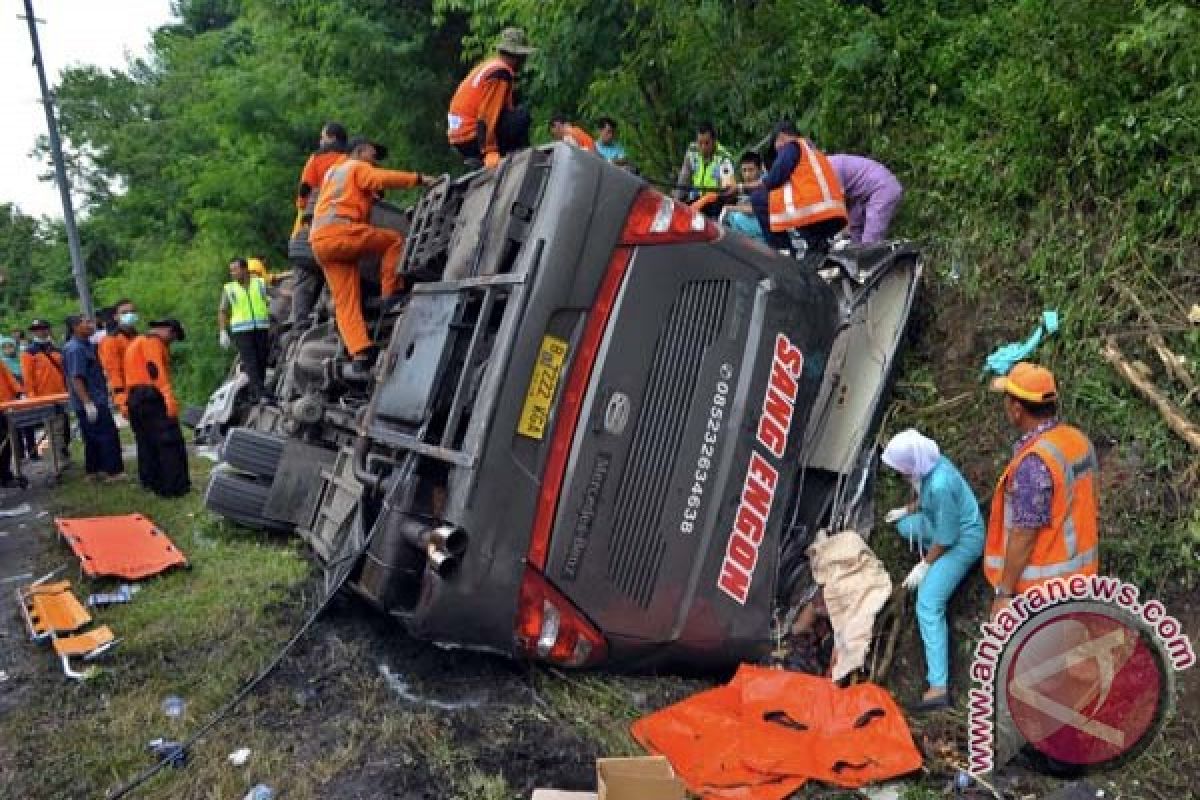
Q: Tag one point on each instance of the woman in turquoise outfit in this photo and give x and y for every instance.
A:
(945, 526)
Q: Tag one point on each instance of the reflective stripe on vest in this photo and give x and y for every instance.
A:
(1074, 560)
(791, 215)
(335, 185)
(248, 309)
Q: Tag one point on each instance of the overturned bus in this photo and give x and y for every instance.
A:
(602, 430)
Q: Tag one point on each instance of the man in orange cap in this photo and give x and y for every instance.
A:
(484, 122)
(341, 236)
(1043, 521)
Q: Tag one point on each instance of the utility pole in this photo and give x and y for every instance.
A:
(60, 169)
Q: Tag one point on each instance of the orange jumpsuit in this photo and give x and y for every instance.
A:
(483, 95)
(148, 363)
(340, 236)
(111, 352)
(43, 373)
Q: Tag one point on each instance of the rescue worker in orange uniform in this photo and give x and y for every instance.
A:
(800, 197)
(1043, 519)
(42, 368)
(562, 130)
(341, 236)
(10, 389)
(331, 149)
(112, 347)
(484, 122)
(154, 411)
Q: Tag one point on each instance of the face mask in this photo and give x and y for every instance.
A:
(42, 339)
(129, 318)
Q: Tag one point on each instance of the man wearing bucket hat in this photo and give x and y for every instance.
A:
(484, 122)
(1043, 520)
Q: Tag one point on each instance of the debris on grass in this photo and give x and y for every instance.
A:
(260, 792)
(20, 510)
(174, 706)
(239, 757)
(170, 751)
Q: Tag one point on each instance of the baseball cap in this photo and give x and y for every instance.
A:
(173, 324)
(1029, 382)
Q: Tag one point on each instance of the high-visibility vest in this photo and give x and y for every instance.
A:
(1069, 545)
(249, 309)
(464, 105)
(710, 174)
(812, 194)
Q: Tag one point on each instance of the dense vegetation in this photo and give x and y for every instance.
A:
(1047, 148)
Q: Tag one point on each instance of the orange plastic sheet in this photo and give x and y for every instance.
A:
(768, 732)
(129, 546)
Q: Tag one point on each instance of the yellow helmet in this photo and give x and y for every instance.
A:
(257, 267)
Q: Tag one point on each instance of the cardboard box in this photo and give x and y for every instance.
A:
(649, 778)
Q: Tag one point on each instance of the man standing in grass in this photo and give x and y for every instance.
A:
(154, 412)
(89, 400)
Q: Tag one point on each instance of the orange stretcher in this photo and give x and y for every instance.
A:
(128, 546)
(29, 412)
(52, 612)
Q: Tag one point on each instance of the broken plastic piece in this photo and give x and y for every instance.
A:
(170, 751)
(239, 757)
(129, 546)
(260, 792)
(121, 595)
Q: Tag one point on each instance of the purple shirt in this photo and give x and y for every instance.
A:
(861, 177)
(1030, 486)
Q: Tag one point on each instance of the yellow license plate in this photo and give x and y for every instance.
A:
(542, 386)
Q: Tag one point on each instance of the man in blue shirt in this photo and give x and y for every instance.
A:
(89, 400)
(606, 142)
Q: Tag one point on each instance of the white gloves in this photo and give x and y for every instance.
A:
(896, 514)
(89, 411)
(224, 340)
(916, 575)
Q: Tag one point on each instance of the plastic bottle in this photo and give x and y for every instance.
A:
(260, 792)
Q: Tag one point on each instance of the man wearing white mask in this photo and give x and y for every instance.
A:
(945, 525)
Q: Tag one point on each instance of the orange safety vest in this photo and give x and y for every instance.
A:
(581, 138)
(1069, 545)
(465, 105)
(148, 363)
(812, 194)
(350, 189)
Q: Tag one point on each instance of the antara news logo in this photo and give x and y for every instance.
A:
(1079, 669)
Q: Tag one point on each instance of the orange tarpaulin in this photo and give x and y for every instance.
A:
(767, 732)
(129, 546)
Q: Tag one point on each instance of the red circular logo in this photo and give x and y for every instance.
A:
(1085, 687)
